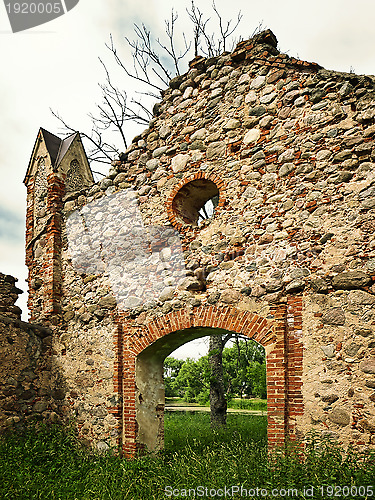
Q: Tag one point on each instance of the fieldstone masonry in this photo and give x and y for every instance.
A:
(281, 154)
(29, 388)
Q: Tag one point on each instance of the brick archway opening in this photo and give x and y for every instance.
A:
(150, 394)
(147, 344)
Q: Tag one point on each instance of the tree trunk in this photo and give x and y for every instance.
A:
(218, 402)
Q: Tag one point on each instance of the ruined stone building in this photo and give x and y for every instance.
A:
(246, 206)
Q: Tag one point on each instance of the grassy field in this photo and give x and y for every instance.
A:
(235, 403)
(50, 465)
(248, 404)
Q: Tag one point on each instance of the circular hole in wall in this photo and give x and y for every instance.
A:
(196, 201)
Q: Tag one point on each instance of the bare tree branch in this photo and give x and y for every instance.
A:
(171, 51)
(203, 39)
(154, 63)
(200, 30)
(227, 31)
(100, 150)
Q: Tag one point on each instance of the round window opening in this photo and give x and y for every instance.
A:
(196, 202)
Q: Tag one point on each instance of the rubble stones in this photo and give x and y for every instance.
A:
(359, 297)
(295, 286)
(319, 285)
(366, 425)
(328, 350)
(108, 302)
(330, 398)
(230, 296)
(364, 332)
(179, 162)
(216, 150)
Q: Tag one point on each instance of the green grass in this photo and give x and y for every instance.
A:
(235, 403)
(248, 404)
(192, 430)
(50, 465)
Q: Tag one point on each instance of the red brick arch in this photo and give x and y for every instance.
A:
(225, 318)
(276, 333)
(193, 177)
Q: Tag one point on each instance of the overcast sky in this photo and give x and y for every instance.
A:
(56, 66)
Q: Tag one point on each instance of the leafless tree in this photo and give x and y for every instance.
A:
(211, 44)
(112, 115)
(155, 61)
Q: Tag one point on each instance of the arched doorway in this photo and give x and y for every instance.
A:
(147, 342)
(150, 394)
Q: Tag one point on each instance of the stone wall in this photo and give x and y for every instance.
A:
(29, 386)
(285, 151)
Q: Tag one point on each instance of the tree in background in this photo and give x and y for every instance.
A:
(245, 370)
(257, 383)
(193, 381)
(172, 367)
(218, 400)
(155, 60)
(244, 374)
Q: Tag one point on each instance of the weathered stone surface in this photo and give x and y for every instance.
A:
(334, 316)
(257, 111)
(329, 350)
(83, 380)
(295, 286)
(105, 183)
(216, 150)
(274, 285)
(133, 301)
(368, 365)
(350, 280)
(265, 238)
(231, 124)
(213, 298)
(352, 349)
(339, 416)
(330, 398)
(275, 76)
(151, 165)
(365, 332)
(360, 297)
(258, 82)
(68, 315)
(167, 294)
(251, 136)
(159, 151)
(40, 406)
(319, 285)
(230, 296)
(286, 169)
(366, 425)
(191, 283)
(108, 302)
(179, 162)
